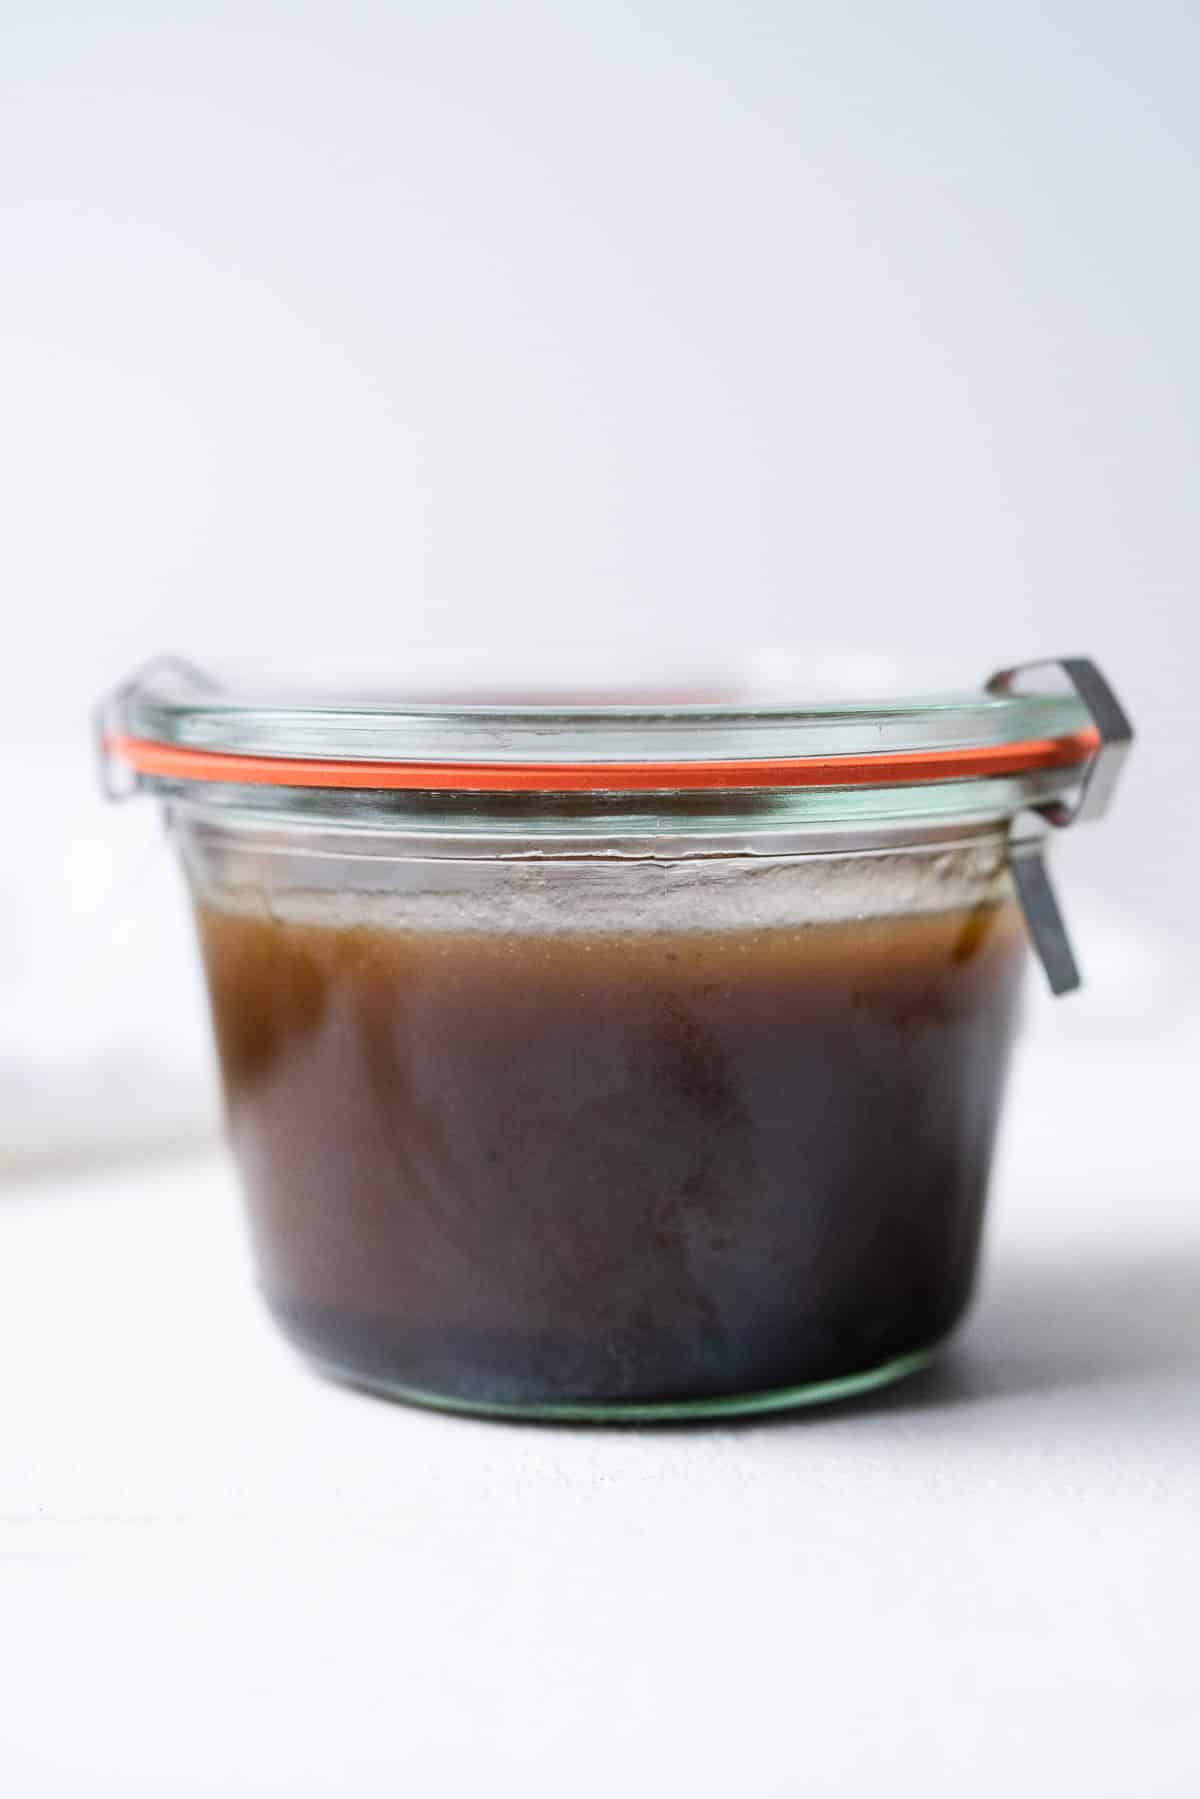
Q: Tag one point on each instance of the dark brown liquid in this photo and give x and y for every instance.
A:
(520, 1169)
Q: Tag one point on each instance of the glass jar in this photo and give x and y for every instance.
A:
(613, 1061)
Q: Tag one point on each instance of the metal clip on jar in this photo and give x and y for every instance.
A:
(616, 1061)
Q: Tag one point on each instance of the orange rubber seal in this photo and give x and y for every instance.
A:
(887, 769)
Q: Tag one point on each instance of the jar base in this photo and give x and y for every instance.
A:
(681, 1411)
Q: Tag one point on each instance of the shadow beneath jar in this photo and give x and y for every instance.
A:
(1041, 1327)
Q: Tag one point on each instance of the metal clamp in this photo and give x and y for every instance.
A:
(1111, 721)
(1039, 903)
(117, 782)
(1043, 915)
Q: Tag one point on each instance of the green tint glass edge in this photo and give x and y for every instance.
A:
(736, 1405)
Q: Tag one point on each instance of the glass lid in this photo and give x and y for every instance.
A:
(174, 722)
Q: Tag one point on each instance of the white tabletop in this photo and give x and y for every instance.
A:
(221, 1576)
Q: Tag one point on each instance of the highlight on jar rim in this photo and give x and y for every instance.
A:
(617, 1055)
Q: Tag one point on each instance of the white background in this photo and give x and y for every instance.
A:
(331, 330)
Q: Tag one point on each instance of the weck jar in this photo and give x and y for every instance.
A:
(626, 1060)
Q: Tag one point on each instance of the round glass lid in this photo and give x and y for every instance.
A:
(175, 722)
